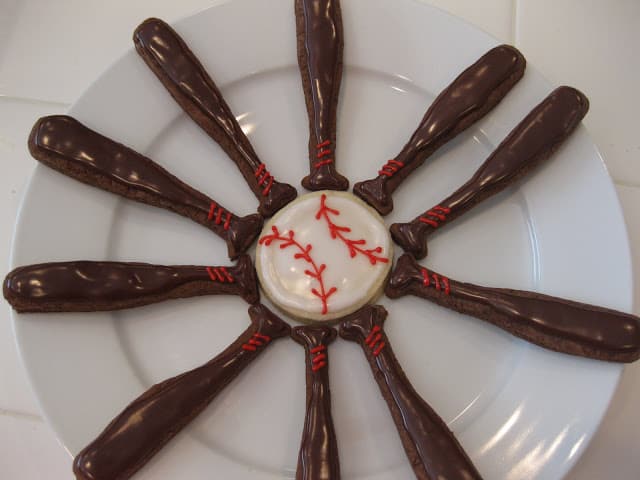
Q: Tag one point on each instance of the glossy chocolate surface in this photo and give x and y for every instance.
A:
(320, 45)
(432, 449)
(529, 144)
(467, 99)
(70, 140)
(318, 458)
(91, 286)
(157, 415)
(166, 53)
(552, 322)
(66, 145)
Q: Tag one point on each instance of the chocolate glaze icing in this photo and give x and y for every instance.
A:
(64, 144)
(529, 144)
(433, 451)
(318, 458)
(85, 286)
(467, 99)
(169, 57)
(157, 415)
(320, 44)
(551, 322)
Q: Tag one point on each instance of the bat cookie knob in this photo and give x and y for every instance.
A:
(406, 273)
(267, 322)
(358, 326)
(242, 233)
(412, 237)
(376, 193)
(325, 177)
(275, 197)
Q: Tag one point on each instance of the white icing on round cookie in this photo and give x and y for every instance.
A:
(323, 256)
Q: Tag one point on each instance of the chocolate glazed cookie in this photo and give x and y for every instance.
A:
(433, 451)
(86, 286)
(318, 459)
(66, 145)
(466, 100)
(156, 416)
(320, 45)
(182, 74)
(551, 322)
(528, 145)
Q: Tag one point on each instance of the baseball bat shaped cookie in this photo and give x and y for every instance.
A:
(86, 286)
(156, 416)
(320, 44)
(182, 74)
(473, 94)
(555, 323)
(528, 145)
(66, 145)
(318, 457)
(433, 451)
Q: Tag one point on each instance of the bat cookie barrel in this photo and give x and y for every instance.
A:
(319, 45)
(156, 416)
(182, 74)
(86, 286)
(555, 323)
(318, 458)
(431, 447)
(528, 145)
(66, 145)
(473, 94)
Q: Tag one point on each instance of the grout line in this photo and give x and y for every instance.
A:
(623, 183)
(34, 100)
(514, 22)
(22, 415)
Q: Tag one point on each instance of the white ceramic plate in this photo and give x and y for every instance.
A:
(520, 412)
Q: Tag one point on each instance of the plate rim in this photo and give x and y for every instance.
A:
(39, 169)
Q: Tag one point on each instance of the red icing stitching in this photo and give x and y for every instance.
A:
(318, 360)
(264, 177)
(391, 167)
(435, 214)
(373, 338)
(226, 274)
(323, 152)
(219, 274)
(218, 216)
(257, 340)
(374, 330)
(336, 231)
(440, 282)
(304, 254)
(323, 162)
(447, 288)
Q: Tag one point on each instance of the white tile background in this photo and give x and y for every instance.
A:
(591, 44)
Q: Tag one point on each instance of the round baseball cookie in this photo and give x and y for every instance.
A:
(323, 256)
